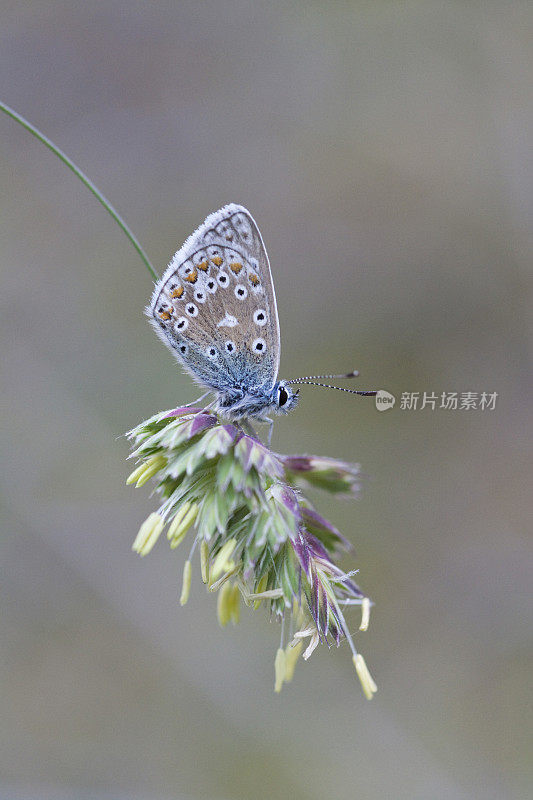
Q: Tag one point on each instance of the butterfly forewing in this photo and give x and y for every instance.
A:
(215, 305)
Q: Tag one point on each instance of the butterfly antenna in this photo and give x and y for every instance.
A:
(353, 374)
(364, 392)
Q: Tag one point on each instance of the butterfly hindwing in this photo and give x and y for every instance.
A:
(215, 305)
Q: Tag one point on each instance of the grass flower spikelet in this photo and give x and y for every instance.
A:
(259, 537)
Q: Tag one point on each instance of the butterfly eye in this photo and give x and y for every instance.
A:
(229, 347)
(222, 279)
(211, 353)
(260, 317)
(181, 324)
(241, 291)
(259, 346)
(199, 296)
(282, 396)
(192, 310)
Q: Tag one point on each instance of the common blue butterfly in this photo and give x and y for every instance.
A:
(215, 308)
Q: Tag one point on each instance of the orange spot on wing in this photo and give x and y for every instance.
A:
(235, 267)
(203, 265)
(177, 292)
(192, 277)
(254, 279)
(217, 261)
(164, 315)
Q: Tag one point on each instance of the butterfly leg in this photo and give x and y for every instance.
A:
(198, 400)
(248, 429)
(270, 429)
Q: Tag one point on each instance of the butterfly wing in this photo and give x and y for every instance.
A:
(215, 306)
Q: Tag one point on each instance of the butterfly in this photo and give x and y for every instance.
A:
(215, 308)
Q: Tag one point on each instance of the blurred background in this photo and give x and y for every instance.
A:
(385, 150)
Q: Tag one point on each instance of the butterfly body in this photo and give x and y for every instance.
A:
(253, 401)
(215, 308)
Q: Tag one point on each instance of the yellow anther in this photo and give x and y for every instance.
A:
(292, 654)
(204, 561)
(181, 523)
(224, 604)
(186, 586)
(279, 669)
(151, 468)
(367, 682)
(176, 522)
(148, 535)
(222, 562)
(365, 614)
(136, 474)
(235, 605)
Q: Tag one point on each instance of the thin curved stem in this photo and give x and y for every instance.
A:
(84, 179)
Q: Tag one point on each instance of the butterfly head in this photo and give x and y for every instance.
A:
(284, 398)
(244, 401)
